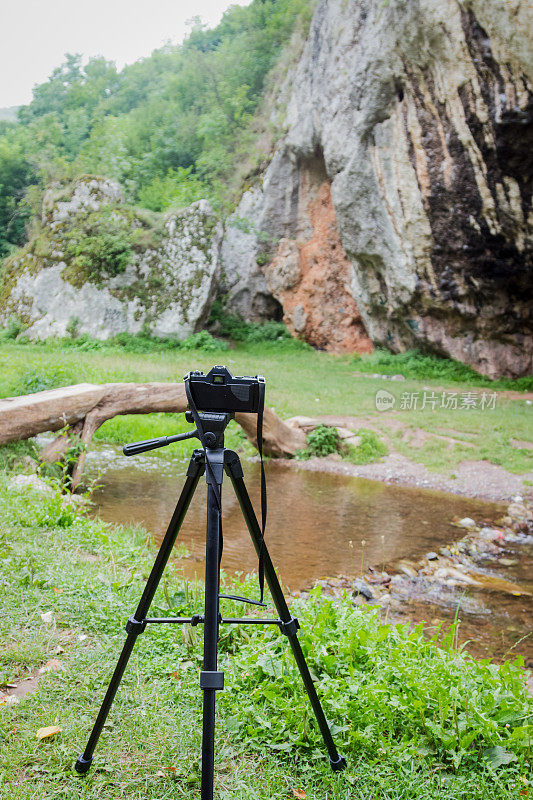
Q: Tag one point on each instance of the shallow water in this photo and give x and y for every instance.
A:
(316, 521)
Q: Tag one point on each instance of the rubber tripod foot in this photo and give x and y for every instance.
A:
(338, 765)
(83, 765)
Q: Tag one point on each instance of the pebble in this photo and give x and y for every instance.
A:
(467, 522)
(407, 569)
(489, 534)
(362, 588)
(431, 556)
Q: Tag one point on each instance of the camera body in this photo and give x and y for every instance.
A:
(219, 390)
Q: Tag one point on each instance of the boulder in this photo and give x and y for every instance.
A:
(101, 267)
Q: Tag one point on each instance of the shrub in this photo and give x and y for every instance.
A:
(203, 341)
(99, 247)
(370, 448)
(323, 441)
(15, 327)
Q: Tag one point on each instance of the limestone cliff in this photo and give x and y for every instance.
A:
(104, 268)
(417, 117)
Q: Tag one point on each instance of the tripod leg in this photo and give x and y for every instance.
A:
(210, 679)
(135, 624)
(234, 470)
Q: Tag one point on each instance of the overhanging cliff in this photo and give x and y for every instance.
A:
(417, 117)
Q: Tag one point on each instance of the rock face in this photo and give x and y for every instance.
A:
(102, 268)
(419, 116)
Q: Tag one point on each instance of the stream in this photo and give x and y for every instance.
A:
(320, 525)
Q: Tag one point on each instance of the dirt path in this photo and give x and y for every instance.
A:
(473, 478)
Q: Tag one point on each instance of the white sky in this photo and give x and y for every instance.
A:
(36, 34)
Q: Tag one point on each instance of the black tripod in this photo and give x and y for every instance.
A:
(216, 459)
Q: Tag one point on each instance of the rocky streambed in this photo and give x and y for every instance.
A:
(484, 580)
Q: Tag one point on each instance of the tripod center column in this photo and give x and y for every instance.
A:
(210, 679)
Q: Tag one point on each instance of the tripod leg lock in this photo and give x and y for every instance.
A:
(211, 680)
(290, 627)
(83, 765)
(135, 625)
(338, 765)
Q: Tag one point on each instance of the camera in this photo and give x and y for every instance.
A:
(219, 390)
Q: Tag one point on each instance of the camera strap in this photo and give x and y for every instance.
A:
(260, 412)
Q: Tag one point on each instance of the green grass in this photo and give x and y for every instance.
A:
(300, 381)
(421, 367)
(414, 719)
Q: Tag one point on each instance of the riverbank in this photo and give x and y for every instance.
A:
(476, 479)
(416, 719)
(435, 426)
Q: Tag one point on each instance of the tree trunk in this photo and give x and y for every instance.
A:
(87, 406)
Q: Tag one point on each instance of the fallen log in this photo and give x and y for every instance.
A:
(82, 408)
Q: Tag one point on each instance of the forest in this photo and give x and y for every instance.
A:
(169, 128)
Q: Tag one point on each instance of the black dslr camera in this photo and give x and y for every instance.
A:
(219, 390)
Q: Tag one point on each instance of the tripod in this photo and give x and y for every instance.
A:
(214, 459)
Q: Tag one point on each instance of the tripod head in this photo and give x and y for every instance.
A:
(210, 427)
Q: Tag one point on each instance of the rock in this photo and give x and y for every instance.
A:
(358, 600)
(518, 511)
(466, 522)
(31, 482)
(242, 276)
(165, 281)
(362, 588)
(348, 437)
(397, 192)
(489, 534)
(455, 575)
(36, 484)
(431, 556)
(407, 569)
(497, 584)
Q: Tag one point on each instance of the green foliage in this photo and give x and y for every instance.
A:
(16, 175)
(203, 341)
(392, 691)
(170, 128)
(371, 448)
(237, 329)
(413, 364)
(37, 380)
(98, 247)
(12, 455)
(323, 441)
(15, 327)
(59, 472)
(178, 188)
(73, 327)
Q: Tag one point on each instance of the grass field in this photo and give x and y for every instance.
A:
(414, 719)
(305, 382)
